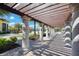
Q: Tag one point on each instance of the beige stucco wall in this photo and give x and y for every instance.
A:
(0, 27)
(1, 24)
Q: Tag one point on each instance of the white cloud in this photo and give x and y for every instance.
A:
(11, 17)
(11, 24)
(22, 23)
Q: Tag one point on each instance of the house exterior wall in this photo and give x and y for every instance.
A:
(1, 26)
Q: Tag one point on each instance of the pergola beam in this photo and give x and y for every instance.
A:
(50, 7)
(51, 11)
(25, 6)
(35, 7)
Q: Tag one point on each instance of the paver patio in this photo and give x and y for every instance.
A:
(54, 47)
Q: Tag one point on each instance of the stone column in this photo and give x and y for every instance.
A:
(67, 34)
(49, 32)
(75, 29)
(25, 41)
(46, 32)
(40, 33)
(52, 33)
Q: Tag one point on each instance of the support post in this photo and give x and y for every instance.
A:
(46, 31)
(52, 32)
(75, 29)
(41, 32)
(25, 41)
(67, 34)
(34, 27)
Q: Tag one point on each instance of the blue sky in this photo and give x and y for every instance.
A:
(31, 24)
(14, 18)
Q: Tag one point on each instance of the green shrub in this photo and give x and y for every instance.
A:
(6, 44)
(3, 42)
(33, 37)
(13, 39)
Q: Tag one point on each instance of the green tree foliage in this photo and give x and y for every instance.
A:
(18, 26)
(3, 12)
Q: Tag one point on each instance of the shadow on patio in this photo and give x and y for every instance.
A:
(53, 47)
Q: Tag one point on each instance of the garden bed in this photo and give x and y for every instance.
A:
(8, 47)
(13, 52)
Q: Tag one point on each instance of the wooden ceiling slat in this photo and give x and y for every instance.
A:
(54, 20)
(21, 5)
(14, 5)
(52, 23)
(55, 6)
(52, 13)
(10, 4)
(58, 9)
(30, 7)
(40, 8)
(25, 6)
(51, 16)
(35, 7)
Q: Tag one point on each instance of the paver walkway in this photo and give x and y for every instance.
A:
(54, 47)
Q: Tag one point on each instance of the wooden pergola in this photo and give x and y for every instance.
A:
(52, 14)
